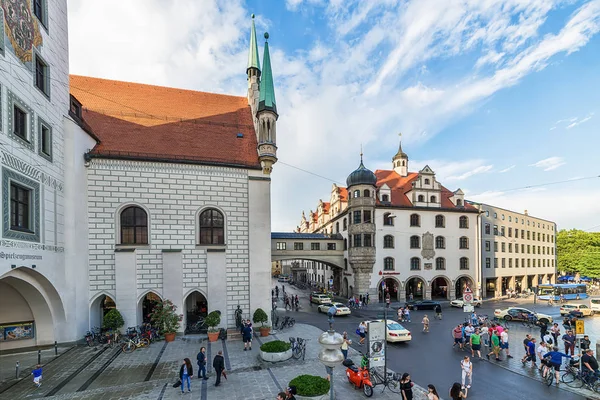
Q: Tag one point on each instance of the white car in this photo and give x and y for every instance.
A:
(320, 298)
(580, 308)
(341, 308)
(520, 314)
(395, 331)
(460, 302)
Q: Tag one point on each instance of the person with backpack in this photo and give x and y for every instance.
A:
(201, 360)
(247, 337)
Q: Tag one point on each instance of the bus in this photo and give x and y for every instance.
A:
(570, 291)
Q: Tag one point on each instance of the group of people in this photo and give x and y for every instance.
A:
(186, 371)
(289, 393)
(457, 391)
(291, 301)
(358, 301)
(494, 336)
(403, 314)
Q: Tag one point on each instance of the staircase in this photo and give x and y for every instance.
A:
(233, 334)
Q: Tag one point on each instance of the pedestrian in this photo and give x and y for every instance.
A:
(525, 346)
(542, 349)
(432, 393)
(584, 343)
(543, 329)
(290, 391)
(362, 329)
(360, 298)
(458, 336)
(297, 302)
(456, 393)
(547, 338)
(504, 342)
(247, 337)
(281, 396)
(201, 359)
(438, 311)
(367, 298)
(555, 362)
(186, 372)
(346, 342)
(469, 330)
(531, 353)
(277, 291)
(485, 335)
(406, 386)
(495, 341)
(474, 319)
(219, 366)
(425, 323)
(466, 367)
(406, 315)
(569, 341)
(388, 300)
(555, 331)
(272, 292)
(589, 364)
(401, 314)
(37, 375)
(410, 296)
(476, 344)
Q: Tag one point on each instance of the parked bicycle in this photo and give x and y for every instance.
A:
(286, 322)
(576, 378)
(131, 345)
(298, 347)
(390, 381)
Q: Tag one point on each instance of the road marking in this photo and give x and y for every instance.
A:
(153, 368)
(97, 373)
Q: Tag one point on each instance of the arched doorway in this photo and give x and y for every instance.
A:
(415, 288)
(439, 287)
(461, 283)
(32, 313)
(350, 291)
(98, 309)
(196, 309)
(345, 288)
(146, 305)
(388, 286)
(519, 284)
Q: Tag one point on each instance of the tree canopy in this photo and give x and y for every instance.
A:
(578, 251)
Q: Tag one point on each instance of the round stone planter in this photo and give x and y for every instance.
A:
(321, 397)
(276, 357)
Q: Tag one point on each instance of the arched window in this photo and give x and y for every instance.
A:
(464, 263)
(345, 224)
(388, 242)
(415, 242)
(403, 163)
(463, 243)
(337, 227)
(134, 226)
(421, 198)
(440, 242)
(440, 221)
(459, 202)
(385, 198)
(432, 199)
(415, 220)
(388, 220)
(356, 193)
(440, 263)
(388, 264)
(426, 181)
(212, 227)
(345, 244)
(463, 222)
(367, 193)
(415, 264)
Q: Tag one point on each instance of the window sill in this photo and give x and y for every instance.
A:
(21, 230)
(125, 247)
(211, 247)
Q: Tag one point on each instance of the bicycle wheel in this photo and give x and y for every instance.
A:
(572, 380)
(291, 322)
(394, 386)
(144, 342)
(297, 353)
(549, 377)
(128, 347)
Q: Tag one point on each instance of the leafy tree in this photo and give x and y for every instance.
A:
(113, 320)
(578, 251)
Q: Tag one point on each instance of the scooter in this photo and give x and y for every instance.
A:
(359, 377)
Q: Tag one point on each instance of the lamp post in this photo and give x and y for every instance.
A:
(331, 355)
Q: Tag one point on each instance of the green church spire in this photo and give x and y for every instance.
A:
(253, 61)
(266, 101)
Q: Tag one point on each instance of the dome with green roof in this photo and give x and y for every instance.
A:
(361, 176)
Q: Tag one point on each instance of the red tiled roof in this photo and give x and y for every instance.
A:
(343, 193)
(152, 122)
(326, 207)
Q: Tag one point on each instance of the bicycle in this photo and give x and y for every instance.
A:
(131, 345)
(298, 347)
(576, 379)
(390, 381)
(531, 322)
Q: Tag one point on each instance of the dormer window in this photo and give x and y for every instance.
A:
(75, 108)
(385, 198)
(459, 202)
(426, 181)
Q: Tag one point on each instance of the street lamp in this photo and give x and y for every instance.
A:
(331, 355)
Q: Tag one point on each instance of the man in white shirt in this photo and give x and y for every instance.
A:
(541, 349)
(469, 329)
(504, 342)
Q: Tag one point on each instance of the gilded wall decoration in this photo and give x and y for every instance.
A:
(428, 252)
(21, 28)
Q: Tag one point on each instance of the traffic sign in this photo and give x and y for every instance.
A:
(468, 297)
(579, 327)
(468, 290)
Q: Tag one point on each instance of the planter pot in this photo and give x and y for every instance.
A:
(169, 337)
(276, 357)
(213, 336)
(320, 397)
(264, 331)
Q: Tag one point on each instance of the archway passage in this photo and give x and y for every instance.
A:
(389, 286)
(415, 289)
(147, 303)
(98, 309)
(461, 284)
(439, 288)
(196, 309)
(519, 284)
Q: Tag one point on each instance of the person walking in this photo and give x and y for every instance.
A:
(406, 315)
(555, 331)
(346, 342)
(569, 341)
(504, 342)
(525, 343)
(201, 360)
(37, 375)
(277, 291)
(432, 393)
(406, 386)
(530, 353)
(388, 300)
(542, 349)
(438, 311)
(584, 344)
(476, 344)
(186, 372)
(219, 366)
(543, 329)
(247, 336)
(425, 322)
(400, 314)
(468, 330)
(362, 329)
(456, 392)
(457, 334)
(495, 341)
(466, 367)
(485, 335)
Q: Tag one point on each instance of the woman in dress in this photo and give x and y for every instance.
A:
(406, 387)
(432, 393)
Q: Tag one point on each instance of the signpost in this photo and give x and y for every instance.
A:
(579, 327)
(377, 343)
(467, 300)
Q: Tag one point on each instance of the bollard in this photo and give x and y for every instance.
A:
(17, 371)
(39, 357)
(55, 348)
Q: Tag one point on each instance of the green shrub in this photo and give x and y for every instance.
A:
(260, 316)
(212, 320)
(276, 346)
(310, 385)
(113, 320)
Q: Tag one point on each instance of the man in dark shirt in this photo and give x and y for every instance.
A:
(590, 364)
(569, 340)
(201, 357)
(525, 346)
(290, 392)
(219, 366)
(584, 343)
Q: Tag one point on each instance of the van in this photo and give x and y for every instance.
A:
(595, 305)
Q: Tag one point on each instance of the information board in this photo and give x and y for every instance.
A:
(377, 344)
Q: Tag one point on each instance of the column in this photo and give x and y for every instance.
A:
(173, 280)
(217, 283)
(126, 285)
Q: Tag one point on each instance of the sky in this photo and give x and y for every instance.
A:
(501, 98)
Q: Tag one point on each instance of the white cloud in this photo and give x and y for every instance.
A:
(549, 164)
(574, 124)
(453, 170)
(506, 169)
(492, 57)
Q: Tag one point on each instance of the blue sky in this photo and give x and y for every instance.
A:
(491, 94)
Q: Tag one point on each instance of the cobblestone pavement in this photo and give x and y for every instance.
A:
(148, 374)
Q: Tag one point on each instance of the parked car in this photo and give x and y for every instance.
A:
(395, 331)
(595, 305)
(421, 304)
(341, 308)
(577, 309)
(460, 302)
(319, 298)
(520, 314)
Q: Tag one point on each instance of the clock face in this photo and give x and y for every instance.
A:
(21, 28)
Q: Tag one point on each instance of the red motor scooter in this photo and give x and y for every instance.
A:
(359, 376)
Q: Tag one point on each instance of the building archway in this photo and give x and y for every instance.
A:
(392, 286)
(196, 309)
(440, 286)
(415, 287)
(350, 291)
(32, 311)
(345, 288)
(461, 283)
(99, 306)
(146, 305)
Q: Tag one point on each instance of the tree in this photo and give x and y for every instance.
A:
(578, 251)
(113, 320)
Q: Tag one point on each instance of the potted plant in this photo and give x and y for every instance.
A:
(261, 316)
(113, 320)
(275, 351)
(310, 387)
(164, 317)
(212, 321)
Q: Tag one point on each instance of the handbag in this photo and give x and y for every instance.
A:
(357, 331)
(224, 374)
(177, 384)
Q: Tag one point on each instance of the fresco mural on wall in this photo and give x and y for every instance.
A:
(21, 28)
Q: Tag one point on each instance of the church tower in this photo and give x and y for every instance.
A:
(266, 115)
(253, 72)
(400, 161)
